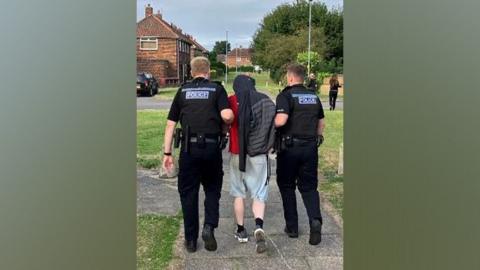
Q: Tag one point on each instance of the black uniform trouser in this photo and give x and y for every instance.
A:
(297, 166)
(200, 166)
(332, 99)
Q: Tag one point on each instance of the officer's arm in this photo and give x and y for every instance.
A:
(321, 126)
(169, 130)
(227, 116)
(280, 119)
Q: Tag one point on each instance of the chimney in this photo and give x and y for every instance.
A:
(159, 14)
(148, 11)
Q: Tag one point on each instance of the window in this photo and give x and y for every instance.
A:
(148, 44)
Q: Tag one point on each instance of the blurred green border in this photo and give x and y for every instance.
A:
(67, 136)
(411, 134)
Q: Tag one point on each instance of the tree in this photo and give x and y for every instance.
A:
(219, 47)
(315, 61)
(216, 66)
(283, 34)
(281, 50)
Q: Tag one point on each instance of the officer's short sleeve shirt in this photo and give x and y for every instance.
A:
(321, 113)
(283, 103)
(175, 109)
(222, 99)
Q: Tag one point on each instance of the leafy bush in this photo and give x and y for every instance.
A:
(322, 75)
(213, 73)
(332, 66)
(315, 60)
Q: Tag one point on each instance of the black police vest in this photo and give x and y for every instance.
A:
(303, 118)
(199, 111)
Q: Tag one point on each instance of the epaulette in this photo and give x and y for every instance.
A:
(286, 88)
(217, 82)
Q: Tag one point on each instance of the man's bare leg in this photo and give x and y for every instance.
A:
(258, 208)
(239, 209)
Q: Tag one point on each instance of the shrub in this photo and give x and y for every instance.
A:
(242, 69)
(213, 73)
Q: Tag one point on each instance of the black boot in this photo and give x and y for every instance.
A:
(315, 232)
(191, 246)
(291, 233)
(209, 238)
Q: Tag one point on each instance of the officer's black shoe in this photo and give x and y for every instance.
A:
(191, 246)
(209, 238)
(291, 233)
(315, 232)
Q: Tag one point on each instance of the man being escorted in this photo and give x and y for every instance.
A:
(252, 136)
(202, 108)
(300, 124)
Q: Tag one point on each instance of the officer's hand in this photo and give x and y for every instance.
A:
(320, 140)
(168, 163)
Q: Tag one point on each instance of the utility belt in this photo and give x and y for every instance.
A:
(283, 142)
(185, 138)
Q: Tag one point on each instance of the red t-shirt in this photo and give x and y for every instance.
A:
(234, 146)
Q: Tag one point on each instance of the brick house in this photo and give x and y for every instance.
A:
(237, 57)
(164, 50)
(196, 48)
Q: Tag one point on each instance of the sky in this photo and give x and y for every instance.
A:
(208, 20)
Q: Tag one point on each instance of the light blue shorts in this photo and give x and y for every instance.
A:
(253, 180)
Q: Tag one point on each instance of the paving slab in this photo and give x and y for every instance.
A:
(278, 246)
(325, 263)
(155, 196)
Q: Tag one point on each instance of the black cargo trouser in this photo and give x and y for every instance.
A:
(297, 167)
(200, 166)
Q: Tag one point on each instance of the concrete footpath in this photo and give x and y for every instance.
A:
(160, 196)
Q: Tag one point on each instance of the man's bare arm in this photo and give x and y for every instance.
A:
(169, 130)
(321, 126)
(280, 119)
(227, 116)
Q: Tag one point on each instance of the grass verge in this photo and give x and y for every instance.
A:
(155, 240)
(150, 133)
(167, 93)
(332, 187)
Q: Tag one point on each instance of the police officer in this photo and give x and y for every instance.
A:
(312, 83)
(300, 123)
(202, 108)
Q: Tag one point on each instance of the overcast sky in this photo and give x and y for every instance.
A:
(207, 20)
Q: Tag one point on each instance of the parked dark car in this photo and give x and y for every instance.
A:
(146, 85)
(153, 81)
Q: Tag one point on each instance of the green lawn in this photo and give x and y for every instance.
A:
(332, 189)
(155, 239)
(150, 132)
(263, 82)
(166, 93)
